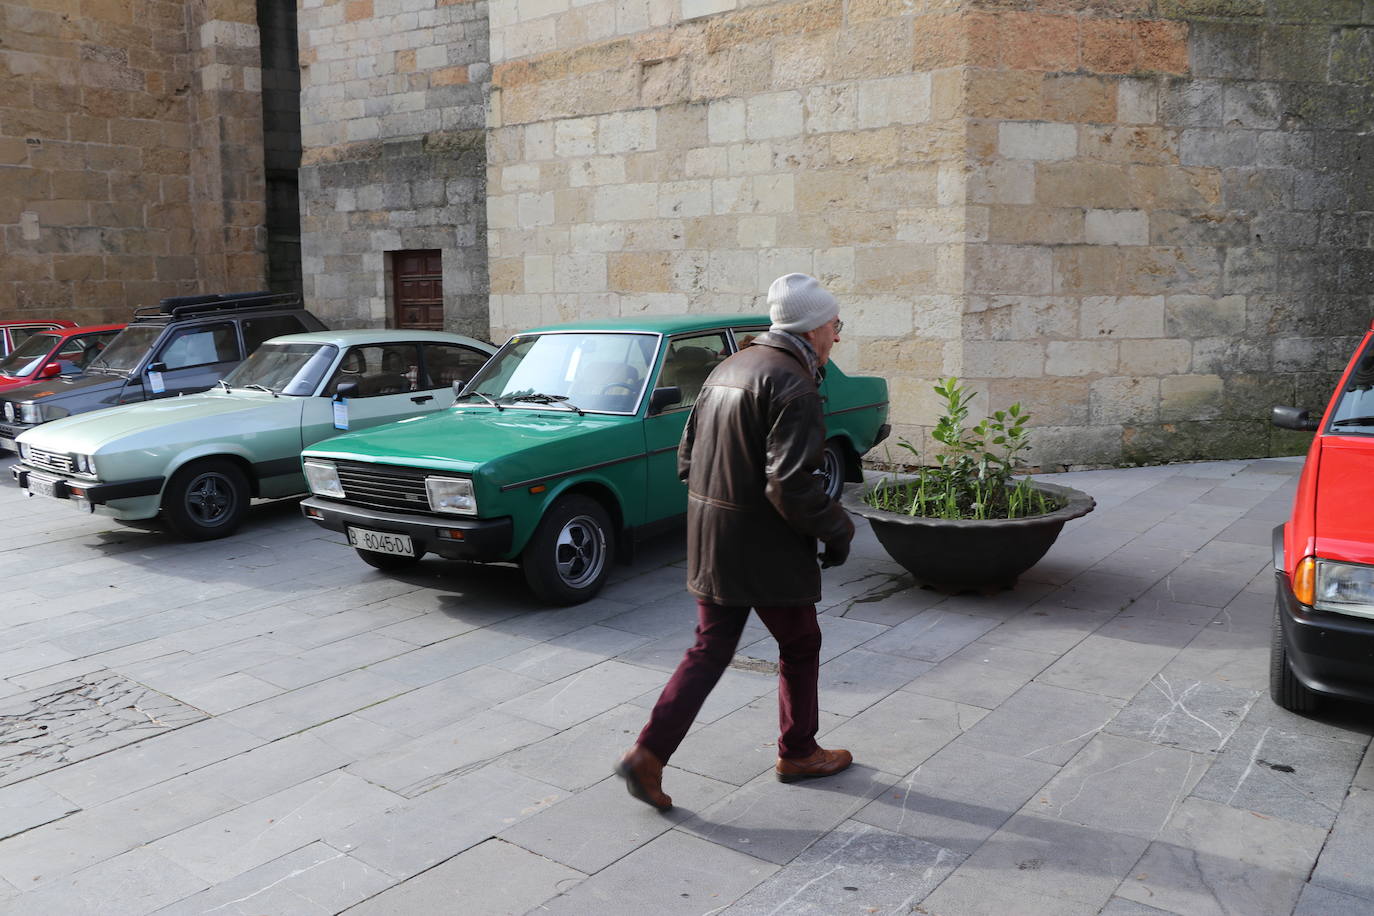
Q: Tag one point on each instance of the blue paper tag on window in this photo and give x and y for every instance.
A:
(155, 382)
(341, 414)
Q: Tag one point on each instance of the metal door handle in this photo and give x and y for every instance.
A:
(422, 398)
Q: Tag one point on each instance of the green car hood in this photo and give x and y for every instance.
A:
(85, 433)
(466, 439)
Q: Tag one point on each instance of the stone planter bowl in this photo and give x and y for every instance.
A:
(967, 555)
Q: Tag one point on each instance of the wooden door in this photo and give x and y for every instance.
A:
(419, 289)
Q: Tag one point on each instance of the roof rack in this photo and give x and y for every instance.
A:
(184, 306)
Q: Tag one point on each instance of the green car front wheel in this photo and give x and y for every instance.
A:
(569, 556)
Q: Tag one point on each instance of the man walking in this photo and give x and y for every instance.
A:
(755, 510)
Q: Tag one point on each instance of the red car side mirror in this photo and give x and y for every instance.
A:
(51, 370)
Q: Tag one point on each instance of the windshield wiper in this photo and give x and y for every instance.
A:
(559, 399)
(1355, 421)
(225, 384)
(257, 387)
(482, 395)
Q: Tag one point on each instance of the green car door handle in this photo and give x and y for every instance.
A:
(422, 398)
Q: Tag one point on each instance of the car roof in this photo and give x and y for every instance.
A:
(46, 323)
(378, 336)
(85, 329)
(658, 324)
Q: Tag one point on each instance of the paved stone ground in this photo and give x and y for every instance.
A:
(266, 725)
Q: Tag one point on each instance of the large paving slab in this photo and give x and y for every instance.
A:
(263, 724)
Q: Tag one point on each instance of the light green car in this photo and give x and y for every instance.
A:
(198, 460)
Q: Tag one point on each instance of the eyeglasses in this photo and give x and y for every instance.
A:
(839, 325)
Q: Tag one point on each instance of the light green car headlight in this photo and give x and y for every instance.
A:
(451, 494)
(323, 478)
(1344, 588)
(84, 465)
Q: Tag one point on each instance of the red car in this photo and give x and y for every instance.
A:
(1323, 638)
(49, 353)
(13, 333)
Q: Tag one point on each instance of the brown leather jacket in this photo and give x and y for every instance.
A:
(755, 507)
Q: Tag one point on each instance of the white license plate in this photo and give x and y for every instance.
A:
(38, 485)
(381, 542)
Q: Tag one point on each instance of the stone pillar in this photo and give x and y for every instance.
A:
(392, 115)
(228, 187)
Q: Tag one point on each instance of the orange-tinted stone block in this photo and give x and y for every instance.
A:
(1034, 41)
(1109, 46)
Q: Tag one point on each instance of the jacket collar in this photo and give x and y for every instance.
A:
(795, 346)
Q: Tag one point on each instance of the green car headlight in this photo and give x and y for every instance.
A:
(323, 478)
(451, 494)
(84, 465)
(1344, 588)
(30, 413)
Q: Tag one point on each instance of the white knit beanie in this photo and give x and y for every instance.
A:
(798, 303)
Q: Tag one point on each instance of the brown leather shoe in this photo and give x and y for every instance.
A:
(643, 775)
(821, 763)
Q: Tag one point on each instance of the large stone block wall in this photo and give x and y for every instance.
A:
(1148, 222)
(392, 120)
(127, 170)
(1172, 215)
(646, 157)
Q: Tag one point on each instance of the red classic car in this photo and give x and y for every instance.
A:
(14, 333)
(1323, 637)
(46, 353)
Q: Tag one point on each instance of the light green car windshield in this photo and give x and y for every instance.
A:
(596, 372)
(294, 369)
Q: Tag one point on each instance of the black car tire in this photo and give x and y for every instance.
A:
(387, 561)
(1284, 687)
(569, 555)
(833, 467)
(206, 500)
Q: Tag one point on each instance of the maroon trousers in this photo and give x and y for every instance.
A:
(718, 632)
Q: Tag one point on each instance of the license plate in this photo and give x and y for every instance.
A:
(381, 542)
(6, 445)
(38, 485)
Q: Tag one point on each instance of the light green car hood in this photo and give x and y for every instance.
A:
(86, 433)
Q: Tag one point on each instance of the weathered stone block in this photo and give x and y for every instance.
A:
(1122, 316)
(1193, 317)
(1124, 400)
(1155, 357)
(1081, 183)
(776, 114)
(1002, 182)
(1009, 268)
(1117, 227)
(1037, 140)
(1250, 270)
(1081, 357)
(1003, 359)
(1071, 97)
(1137, 101)
(1193, 441)
(1190, 397)
(1035, 225)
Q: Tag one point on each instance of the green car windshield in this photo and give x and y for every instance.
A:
(287, 368)
(585, 371)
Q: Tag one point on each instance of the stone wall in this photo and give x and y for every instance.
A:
(645, 163)
(127, 163)
(1170, 220)
(1146, 224)
(392, 117)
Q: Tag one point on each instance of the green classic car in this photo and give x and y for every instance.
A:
(558, 453)
(197, 460)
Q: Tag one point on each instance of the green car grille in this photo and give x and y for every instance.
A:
(384, 486)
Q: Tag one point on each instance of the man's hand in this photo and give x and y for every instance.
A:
(835, 553)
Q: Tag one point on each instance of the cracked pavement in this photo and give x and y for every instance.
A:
(264, 724)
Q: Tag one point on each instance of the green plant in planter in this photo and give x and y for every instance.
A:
(972, 477)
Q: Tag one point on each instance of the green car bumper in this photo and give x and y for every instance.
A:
(475, 539)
